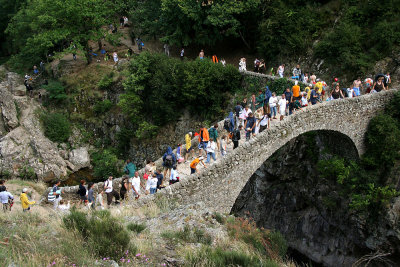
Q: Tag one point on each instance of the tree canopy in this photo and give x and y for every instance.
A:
(43, 26)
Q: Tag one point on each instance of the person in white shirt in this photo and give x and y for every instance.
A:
(281, 70)
(174, 176)
(264, 123)
(4, 197)
(223, 145)
(273, 100)
(64, 207)
(110, 192)
(282, 106)
(304, 101)
(350, 93)
(210, 151)
(153, 184)
(136, 185)
(243, 115)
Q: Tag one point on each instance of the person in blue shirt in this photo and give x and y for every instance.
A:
(169, 161)
(250, 126)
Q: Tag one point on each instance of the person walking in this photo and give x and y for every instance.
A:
(211, 151)
(5, 196)
(273, 100)
(153, 184)
(236, 136)
(282, 106)
(91, 199)
(204, 138)
(124, 188)
(201, 54)
(281, 70)
(110, 192)
(169, 161)
(250, 126)
(130, 168)
(82, 193)
(25, 201)
(213, 133)
(57, 194)
(182, 54)
(188, 146)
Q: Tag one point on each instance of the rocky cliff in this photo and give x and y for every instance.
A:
(287, 193)
(24, 150)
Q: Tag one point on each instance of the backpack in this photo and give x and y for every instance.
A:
(227, 124)
(50, 196)
(169, 162)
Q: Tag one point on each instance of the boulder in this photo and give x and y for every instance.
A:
(19, 90)
(80, 158)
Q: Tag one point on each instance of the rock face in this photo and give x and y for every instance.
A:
(286, 193)
(79, 158)
(22, 142)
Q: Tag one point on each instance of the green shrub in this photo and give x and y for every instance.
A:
(26, 173)
(106, 163)
(56, 92)
(106, 81)
(218, 257)
(219, 217)
(278, 243)
(102, 107)
(189, 235)
(279, 85)
(56, 127)
(136, 227)
(103, 234)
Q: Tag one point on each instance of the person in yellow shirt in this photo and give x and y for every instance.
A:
(308, 92)
(25, 201)
(319, 86)
(188, 146)
(193, 164)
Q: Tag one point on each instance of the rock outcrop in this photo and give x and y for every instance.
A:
(22, 141)
(288, 194)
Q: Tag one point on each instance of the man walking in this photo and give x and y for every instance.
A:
(110, 192)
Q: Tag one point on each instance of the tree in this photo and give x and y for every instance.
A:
(44, 26)
(186, 22)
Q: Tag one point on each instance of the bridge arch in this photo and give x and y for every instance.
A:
(220, 185)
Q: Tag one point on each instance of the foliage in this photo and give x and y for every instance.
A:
(270, 244)
(159, 88)
(105, 163)
(195, 22)
(103, 234)
(189, 235)
(56, 126)
(136, 227)
(26, 172)
(44, 26)
(56, 92)
(218, 257)
(106, 81)
(102, 107)
(279, 85)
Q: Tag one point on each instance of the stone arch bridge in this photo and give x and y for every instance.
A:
(220, 185)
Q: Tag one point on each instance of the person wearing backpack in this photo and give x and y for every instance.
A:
(169, 161)
(55, 195)
(238, 110)
(229, 123)
(82, 193)
(110, 192)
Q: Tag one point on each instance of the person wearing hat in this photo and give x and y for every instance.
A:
(25, 201)
(188, 146)
(193, 164)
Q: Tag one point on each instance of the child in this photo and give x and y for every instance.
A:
(99, 200)
(179, 157)
(174, 176)
(304, 101)
(223, 145)
(193, 164)
(153, 184)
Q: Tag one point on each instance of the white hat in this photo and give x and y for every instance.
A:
(24, 190)
(296, 82)
(190, 133)
(201, 158)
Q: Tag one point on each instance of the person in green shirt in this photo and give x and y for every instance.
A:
(130, 168)
(260, 100)
(213, 133)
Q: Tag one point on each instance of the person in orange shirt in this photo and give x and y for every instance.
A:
(194, 163)
(204, 138)
(296, 91)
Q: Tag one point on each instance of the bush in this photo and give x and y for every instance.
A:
(208, 256)
(102, 107)
(106, 81)
(56, 92)
(136, 227)
(280, 85)
(103, 234)
(189, 235)
(106, 163)
(56, 127)
(26, 173)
